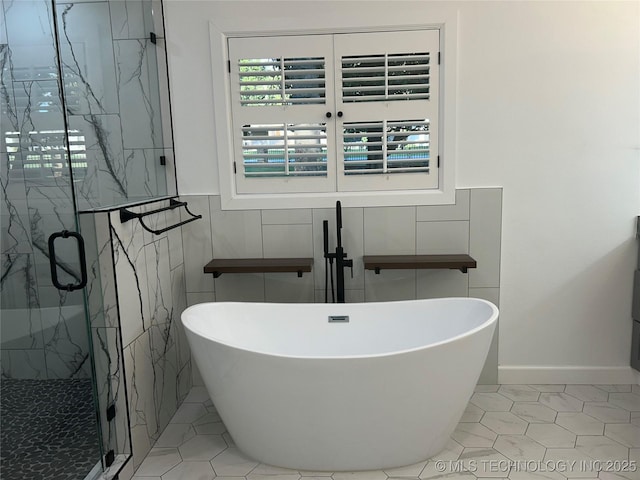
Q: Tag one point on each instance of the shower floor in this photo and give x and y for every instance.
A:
(48, 429)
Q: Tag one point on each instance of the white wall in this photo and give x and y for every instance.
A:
(547, 106)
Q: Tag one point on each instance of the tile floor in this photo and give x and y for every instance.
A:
(47, 429)
(523, 432)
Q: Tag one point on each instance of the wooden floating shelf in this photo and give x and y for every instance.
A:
(460, 262)
(218, 266)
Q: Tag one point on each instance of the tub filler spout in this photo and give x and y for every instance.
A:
(340, 256)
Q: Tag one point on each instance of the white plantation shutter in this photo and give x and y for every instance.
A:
(383, 77)
(281, 89)
(387, 84)
(380, 89)
(386, 147)
(281, 150)
(282, 81)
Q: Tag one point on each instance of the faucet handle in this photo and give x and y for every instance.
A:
(349, 263)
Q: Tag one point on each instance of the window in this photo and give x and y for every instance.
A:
(319, 117)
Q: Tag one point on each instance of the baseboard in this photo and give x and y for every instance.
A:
(566, 375)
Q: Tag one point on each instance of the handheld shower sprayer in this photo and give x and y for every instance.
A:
(339, 223)
(328, 263)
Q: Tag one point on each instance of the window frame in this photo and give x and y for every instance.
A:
(231, 200)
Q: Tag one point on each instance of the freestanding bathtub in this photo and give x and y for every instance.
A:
(384, 389)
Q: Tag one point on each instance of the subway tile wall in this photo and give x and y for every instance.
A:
(473, 225)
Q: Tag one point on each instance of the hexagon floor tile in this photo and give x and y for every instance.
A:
(519, 432)
(504, 423)
(579, 423)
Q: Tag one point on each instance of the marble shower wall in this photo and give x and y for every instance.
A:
(116, 98)
(473, 225)
(116, 90)
(136, 295)
(43, 329)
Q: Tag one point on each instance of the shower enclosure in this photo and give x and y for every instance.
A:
(82, 97)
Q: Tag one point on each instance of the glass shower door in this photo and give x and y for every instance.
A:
(48, 414)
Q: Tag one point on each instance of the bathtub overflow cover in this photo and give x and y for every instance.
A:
(338, 318)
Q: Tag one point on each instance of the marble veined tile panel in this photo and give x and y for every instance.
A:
(159, 281)
(138, 91)
(20, 328)
(15, 234)
(101, 282)
(3, 28)
(87, 59)
(29, 28)
(165, 377)
(110, 384)
(132, 19)
(140, 390)
(103, 181)
(144, 176)
(131, 277)
(66, 342)
(18, 287)
(23, 364)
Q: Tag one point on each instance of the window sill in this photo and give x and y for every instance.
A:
(328, 200)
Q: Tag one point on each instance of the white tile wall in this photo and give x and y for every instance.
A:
(485, 233)
(390, 231)
(458, 211)
(472, 225)
(286, 217)
(236, 233)
(389, 285)
(281, 241)
(176, 247)
(442, 237)
(489, 374)
(441, 283)
(198, 245)
(199, 297)
(350, 296)
(289, 288)
(240, 287)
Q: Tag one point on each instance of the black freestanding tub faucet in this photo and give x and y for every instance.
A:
(340, 256)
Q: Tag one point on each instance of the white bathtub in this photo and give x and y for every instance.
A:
(384, 390)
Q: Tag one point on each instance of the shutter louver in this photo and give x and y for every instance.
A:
(386, 147)
(281, 81)
(284, 150)
(385, 77)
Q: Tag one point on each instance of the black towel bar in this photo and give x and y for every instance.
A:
(126, 215)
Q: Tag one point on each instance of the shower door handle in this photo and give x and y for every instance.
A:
(54, 263)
